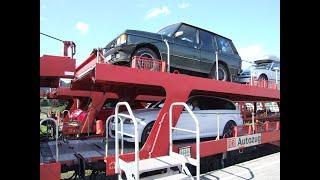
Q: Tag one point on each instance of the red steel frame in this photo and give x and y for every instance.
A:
(52, 68)
(98, 99)
(176, 88)
(94, 76)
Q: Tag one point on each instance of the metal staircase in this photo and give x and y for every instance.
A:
(133, 169)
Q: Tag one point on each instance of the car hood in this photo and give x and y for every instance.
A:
(144, 34)
(137, 33)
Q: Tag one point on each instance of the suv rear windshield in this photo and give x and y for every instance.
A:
(224, 45)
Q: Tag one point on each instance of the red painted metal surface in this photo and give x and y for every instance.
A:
(50, 171)
(67, 93)
(54, 67)
(148, 64)
(107, 77)
(265, 84)
(93, 75)
(176, 88)
(87, 64)
(94, 110)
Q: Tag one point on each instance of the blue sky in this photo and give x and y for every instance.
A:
(253, 25)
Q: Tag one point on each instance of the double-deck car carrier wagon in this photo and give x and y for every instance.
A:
(159, 157)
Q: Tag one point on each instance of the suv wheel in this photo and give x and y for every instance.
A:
(222, 72)
(227, 130)
(145, 52)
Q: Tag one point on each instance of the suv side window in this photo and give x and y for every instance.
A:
(206, 41)
(189, 34)
(224, 45)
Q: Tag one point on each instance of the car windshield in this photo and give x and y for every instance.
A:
(263, 66)
(169, 30)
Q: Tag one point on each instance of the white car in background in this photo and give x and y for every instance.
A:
(208, 107)
(265, 69)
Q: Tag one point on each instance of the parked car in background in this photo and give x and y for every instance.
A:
(264, 69)
(192, 50)
(207, 107)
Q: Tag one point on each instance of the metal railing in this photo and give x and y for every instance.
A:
(57, 135)
(107, 133)
(135, 136)
(148, 64)
(197, 132)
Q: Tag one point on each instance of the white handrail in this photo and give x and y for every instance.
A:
(136, 142)
(197, 133)
(218, 126)
(57, 126)
(107, 133)
(168, 54)
(217, 66)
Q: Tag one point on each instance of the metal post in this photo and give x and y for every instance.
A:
(116, 140)
(217, 74)
(251, 77)
(276, 76)
(77, 103)
(168, 55)
(97, 55)
(57, 126)
(57, 148)
(218, 126)
(107, 133)
(252, 115)
(88, 125)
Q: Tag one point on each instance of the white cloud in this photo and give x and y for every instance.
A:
(252, 52)
(183, 5)
(82, 27)
(157, 11)
(255, 52)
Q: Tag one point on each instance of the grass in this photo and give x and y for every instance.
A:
(68, 174)
(43, 115)
(45, 109)
(43, 129)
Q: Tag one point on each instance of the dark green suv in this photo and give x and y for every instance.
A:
(192, 50)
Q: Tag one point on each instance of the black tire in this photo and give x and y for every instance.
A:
(223, 73)
(227, 130)
(146, 132)
(263, 77)
(145, 52)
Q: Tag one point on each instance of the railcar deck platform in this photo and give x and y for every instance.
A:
(267, 167)
(89, 149)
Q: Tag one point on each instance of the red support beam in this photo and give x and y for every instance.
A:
(176, 88)
(52, 68)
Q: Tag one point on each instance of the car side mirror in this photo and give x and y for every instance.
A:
(179, 33)
(276, 69)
